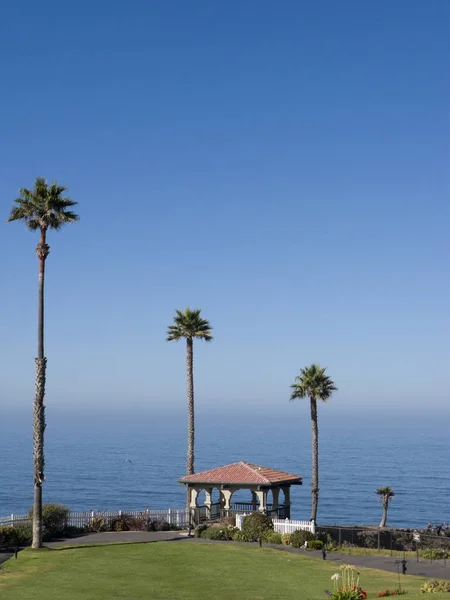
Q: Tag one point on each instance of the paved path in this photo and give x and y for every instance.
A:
(120, 537)
(5, 556)
(431, 570)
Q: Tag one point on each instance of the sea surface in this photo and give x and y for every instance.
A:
(87, 458)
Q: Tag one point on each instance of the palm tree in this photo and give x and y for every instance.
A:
(42, 208)
(312, 383)
(189, 325)
(385, 494)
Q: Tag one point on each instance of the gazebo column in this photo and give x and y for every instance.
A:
(254, 501)
(262, 497)
(275, 494)
(287, 501)
(208, 501)
(193, 496)
(225, 500)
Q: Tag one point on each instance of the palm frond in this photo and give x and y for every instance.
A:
(313, 383)
(385, 492)
(43, 207)
(189, 324)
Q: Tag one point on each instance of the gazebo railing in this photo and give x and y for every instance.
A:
(244, 507)
(202, 513)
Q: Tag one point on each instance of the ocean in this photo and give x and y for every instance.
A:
(87, 466)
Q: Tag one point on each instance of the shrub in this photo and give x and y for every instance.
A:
(434, 586)
(98, 524)
(271, 537)
(227, 522)
(54, 519)
(19, 535)
(238, 536)
(332, 547)
(315, 545)
(256, 524)
(386, 593)
(286, 539)
(241, 536)
(299, 537)
(218, 533)
(161, 525)
(6, 536)
(431, 554)
(368, 539)
(72, 531)
(126, 522)
(200, 529)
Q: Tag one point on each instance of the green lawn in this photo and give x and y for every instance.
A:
(172, 570)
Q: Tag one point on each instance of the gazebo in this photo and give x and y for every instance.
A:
(240, 476)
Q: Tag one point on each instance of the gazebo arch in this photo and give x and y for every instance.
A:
(241, 476)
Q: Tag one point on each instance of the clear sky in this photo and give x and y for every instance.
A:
(282, 165)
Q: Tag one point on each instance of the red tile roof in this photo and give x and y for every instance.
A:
(242, 473)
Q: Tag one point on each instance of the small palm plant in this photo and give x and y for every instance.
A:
(385, 495)
(189, 325)
(41, 209)
(312, 383)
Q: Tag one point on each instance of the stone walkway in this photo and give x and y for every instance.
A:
(424, 568)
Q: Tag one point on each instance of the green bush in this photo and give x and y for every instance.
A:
(6, 536)
(434, 586)
(315, 545)
(19, 535)
(299, 537)
(240, 536)
(72, 531)
(23, 534)
(271, 537)
(218, 533)
(200, 529)
(431, 554)
(54, 519)
(286, 539)
(255, 525)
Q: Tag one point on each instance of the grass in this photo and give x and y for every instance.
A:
(179, 570)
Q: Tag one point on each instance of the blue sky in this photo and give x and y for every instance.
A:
(283, 166)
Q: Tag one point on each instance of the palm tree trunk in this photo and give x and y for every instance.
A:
(315, 459)
(385, 511)
(42, 251)
(191, 416)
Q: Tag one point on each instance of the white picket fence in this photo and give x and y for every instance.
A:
(283, 526)
(13, 519)
(288, 526)
(173, 516)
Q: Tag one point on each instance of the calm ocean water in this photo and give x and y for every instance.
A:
(86, 469)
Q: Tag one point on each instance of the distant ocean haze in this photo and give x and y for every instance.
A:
(87, 466)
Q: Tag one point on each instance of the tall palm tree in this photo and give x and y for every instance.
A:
(189, 325)
(41, 209)
(312, 383)
(385, 494)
